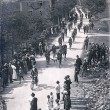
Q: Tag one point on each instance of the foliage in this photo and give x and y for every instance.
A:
(20, 28)
(62, 7)
(95, 6)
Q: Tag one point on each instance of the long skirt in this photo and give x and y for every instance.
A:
(14, 76)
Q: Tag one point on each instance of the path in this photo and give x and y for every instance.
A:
(18, 95)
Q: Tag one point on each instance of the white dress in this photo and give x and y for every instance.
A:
(57, 107)
(50, 104)
(14, 72)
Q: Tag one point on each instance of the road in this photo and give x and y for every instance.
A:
(18, 95)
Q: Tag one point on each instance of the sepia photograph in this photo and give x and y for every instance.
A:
(54, 54)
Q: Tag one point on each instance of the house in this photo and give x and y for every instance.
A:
(31, 7)
(35, 7)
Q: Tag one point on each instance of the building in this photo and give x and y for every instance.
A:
(35, 7)
(31, 7)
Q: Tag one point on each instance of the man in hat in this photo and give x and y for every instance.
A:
(33, 102)
(78, 62)
(58, 90)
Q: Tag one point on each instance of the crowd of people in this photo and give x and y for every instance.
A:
(97, 57)
(55, 104)
(25, 61)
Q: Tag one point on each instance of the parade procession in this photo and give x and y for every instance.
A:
(54, 55)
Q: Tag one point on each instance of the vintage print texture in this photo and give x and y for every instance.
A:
(54, 54)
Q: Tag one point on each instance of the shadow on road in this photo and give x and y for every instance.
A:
(41, 87)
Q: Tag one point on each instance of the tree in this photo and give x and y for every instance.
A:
(94, 6)
(20, 27)
(62, 9)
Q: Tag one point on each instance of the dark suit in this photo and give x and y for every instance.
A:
(67, 103)
(34, 104)
(78, 63)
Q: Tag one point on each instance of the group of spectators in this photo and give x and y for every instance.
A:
(65, 98)
(15, 69)
(24, 60)
(55, 104)
(97, 56)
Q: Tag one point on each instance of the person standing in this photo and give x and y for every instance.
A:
(4, 76)
(66, 31)
(50, 104)
(87, 28)
(67, 102)
(59, 58)
(76, 75)
(91, 25)
(78, 62)
(20, 75)
(84, 67)
(33, 102)
(54, 51)
(70, 42)
(40, 49)
(64, 50)
(10, 72)
(25, 66)
(51, 98)
(14, 76)
(84, 29)
(60, 40)
(34, 74)
(62, 36)
(58, 90)
(47, 56)
(79, 27)
(68, 83)
(6, 73)
(86, 43)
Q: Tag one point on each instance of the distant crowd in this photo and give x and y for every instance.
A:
(25, 61)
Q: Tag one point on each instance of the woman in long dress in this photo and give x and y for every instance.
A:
(14, 76)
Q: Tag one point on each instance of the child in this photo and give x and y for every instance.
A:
(49, 103)
(51, 98)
